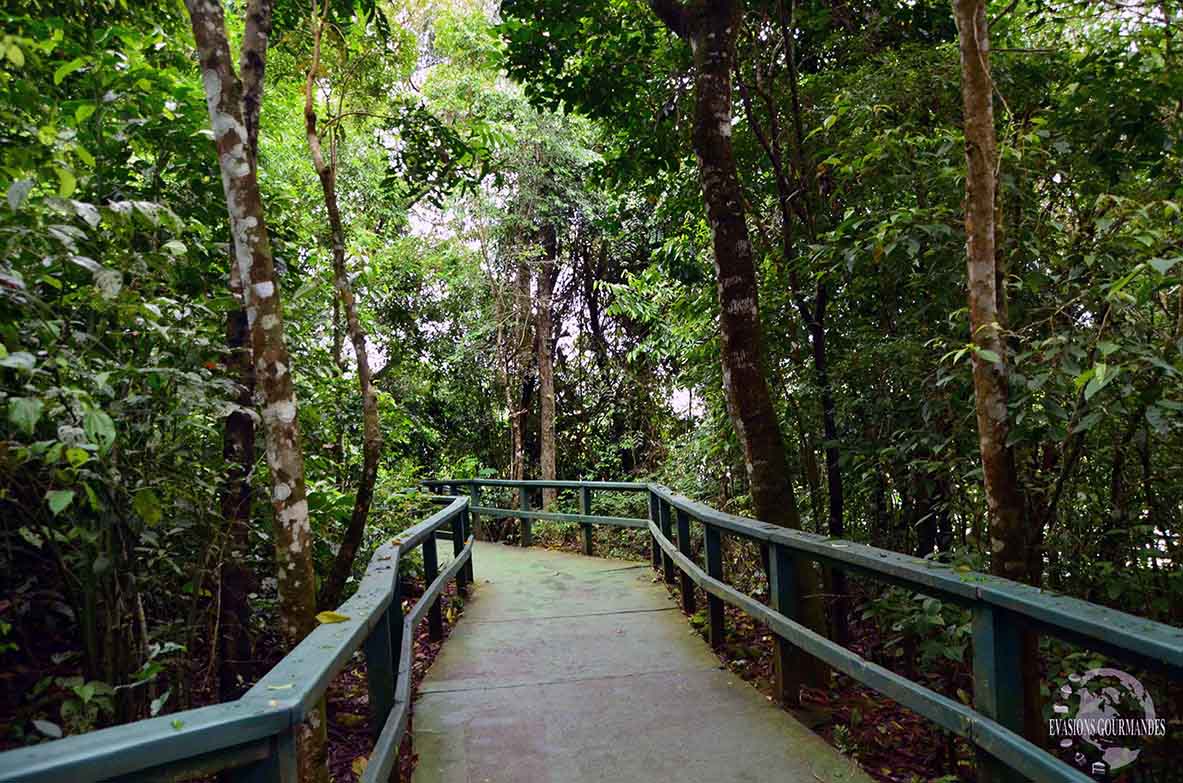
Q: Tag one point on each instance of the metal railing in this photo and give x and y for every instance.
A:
(1002, 611)
(254, 737)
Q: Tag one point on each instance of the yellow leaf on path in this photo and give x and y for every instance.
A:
(331, 617)
(359, 765)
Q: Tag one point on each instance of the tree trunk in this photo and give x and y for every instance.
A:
(238, 436)
(710, 27)
(334, 585)
(293, 553)
(238, 452)
(1009, 536)
(546, 367)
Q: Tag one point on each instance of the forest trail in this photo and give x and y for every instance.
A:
(568, 668)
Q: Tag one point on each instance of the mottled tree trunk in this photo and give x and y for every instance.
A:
(334, 585)
(546, 365)
(281, 429)
(238, 436)
(711, 27)
(1009, 535)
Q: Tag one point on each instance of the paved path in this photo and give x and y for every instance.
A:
(571, 669)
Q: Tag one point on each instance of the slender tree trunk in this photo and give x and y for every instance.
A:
(710, 27)
(546, 366)
(285, 461)
(1009, 535)
(334, 585)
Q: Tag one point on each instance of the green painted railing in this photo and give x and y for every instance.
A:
(1002, 611)
(254, 737)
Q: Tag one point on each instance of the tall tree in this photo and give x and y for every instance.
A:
(710, 28)
(547, 277)
(326, 170)
(1011, 537)
(238, 436)
(293, 551)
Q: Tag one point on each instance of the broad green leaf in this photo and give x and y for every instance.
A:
(24, 413)
(99, 428)
(147, 505)
(17, 58)
(67, 182)
(59, 499)
(989, 356)
(1163, 265)
(174, 247)
(76, 456)
(83, 112)
(65, 69)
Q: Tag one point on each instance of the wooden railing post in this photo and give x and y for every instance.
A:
(713, 544)
(667, 562)
(787, 660)
(585, 507)
(655, 518)
(686, 583)
(524, 505)
(998, 681)
(380, 676)
(459, 538)
(431, 569)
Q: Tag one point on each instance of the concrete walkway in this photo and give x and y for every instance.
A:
(565, 669)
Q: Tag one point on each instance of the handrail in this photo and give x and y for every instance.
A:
(1002, 609)
(254, 735)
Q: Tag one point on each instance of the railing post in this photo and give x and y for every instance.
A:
(667, 531)
(787, 660)
(379, 675)
(585, 506)
(713, 544)
(686, 583)
(655, 518)
(431, 569)
(998, 681)
(459, 538)
(524, 505)
(395, 620)
(279, 767)
(474, 499)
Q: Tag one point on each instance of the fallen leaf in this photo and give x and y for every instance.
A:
(331, 617)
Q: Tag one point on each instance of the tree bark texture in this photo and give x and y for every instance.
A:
(710, 28)
(326, 170)
(281, 429)
(546, 365)
(238, 435)
(1010, 537)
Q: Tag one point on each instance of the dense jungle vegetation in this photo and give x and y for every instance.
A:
(906, 272)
